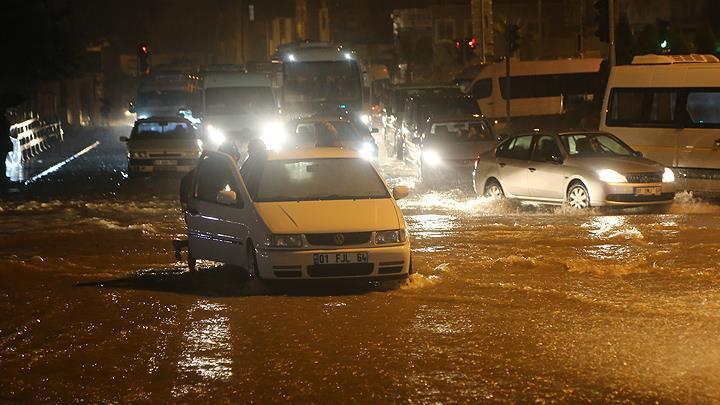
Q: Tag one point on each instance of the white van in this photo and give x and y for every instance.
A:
(234, 101)
(668, 108)
(539, 88)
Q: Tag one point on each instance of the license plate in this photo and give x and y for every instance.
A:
(340, 258)
(648, 190)
(166, 162)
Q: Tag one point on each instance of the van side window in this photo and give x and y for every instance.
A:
(626, 107)
(703, 107)
(482, 88)
(663, 105)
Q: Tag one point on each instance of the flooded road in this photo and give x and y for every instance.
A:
(510, 303)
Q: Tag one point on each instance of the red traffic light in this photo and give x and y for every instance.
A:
(143, 49)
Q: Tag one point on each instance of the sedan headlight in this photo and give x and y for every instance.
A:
(215, 135)
(387, 237)
(284, 241)
(431, 157)
(668, 176)
(273, 135)
(611, 176)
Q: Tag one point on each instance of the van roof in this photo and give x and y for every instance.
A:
(673, 59)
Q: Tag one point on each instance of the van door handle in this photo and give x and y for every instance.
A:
(502, 164)
(532, 169)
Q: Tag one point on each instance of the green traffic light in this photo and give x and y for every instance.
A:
(664, 44)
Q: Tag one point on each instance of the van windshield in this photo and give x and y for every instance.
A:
(239, 100)
(318, 179)
(594, 145)
(163, 130)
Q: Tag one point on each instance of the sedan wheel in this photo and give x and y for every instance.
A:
(494, 191)
(578, 196)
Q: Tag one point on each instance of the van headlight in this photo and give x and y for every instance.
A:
(431, 157)
(215, 135)
(284, 241)
(611, 176)
(387, 237)
(668, 176)
(273, 135)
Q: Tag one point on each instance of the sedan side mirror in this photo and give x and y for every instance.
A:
(124, 139)
(558, 160)
(637, 153)
(131, 107)
(226, 197)
(400, 192)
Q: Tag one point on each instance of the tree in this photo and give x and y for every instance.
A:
(625, 48)
(705, 39)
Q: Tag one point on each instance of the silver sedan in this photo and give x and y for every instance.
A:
(581, 169)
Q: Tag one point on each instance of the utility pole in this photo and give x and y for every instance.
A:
(611, 26)
(482, 31)
(581, 35)
(539, 29)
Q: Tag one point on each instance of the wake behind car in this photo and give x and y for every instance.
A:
(582, 169)
(162, 144)
(321, 213)
(447, 153)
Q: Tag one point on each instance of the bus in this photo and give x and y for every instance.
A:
(668, 108)
(317, 76)
(546, 94)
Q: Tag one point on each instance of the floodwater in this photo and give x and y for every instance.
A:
(510, 303)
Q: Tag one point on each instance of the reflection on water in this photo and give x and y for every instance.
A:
(207, 345)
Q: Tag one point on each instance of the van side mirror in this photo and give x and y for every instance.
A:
(226, 197)
(124, 139)
(400, 192)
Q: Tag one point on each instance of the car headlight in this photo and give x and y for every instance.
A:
(431, 157)
(284, 241)
(394, 236)
(215, 135)
(367, 151)
(668, 176)
(611, 176)
(273, 135)
(365, 119)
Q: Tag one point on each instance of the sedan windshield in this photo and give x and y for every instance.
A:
(318, 179)
(162, 130)
(594, 145)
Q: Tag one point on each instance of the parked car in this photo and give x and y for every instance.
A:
(321, 213)
(306, 133)
(446, 154)
(582, 169)
(420, 110)
(162, 144)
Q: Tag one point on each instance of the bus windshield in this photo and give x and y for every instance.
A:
(322, 81)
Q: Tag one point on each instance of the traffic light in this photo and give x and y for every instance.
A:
(143, 60)
(513, 37)
(602, 19)
(464, 49)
